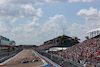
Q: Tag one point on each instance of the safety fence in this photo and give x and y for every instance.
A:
(7, 55)
(3, 54)
(61, 61)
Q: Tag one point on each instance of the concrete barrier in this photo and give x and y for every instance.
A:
(9, 56)
(61, 61)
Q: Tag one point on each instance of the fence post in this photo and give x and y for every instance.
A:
(51, 56)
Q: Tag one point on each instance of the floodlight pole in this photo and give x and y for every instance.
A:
(63, 31)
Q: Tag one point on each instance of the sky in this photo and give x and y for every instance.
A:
(35, 21)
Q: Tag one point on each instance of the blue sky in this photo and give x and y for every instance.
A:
(35, 21)
(69, 10)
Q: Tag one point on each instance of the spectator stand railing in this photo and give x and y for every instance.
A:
(7, 55)
(61, 61)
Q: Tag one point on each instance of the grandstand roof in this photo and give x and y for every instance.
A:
(4, 38)
(58, 37)
(94, 30)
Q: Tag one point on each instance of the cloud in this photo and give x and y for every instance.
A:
(4, 27)
(77, 30)
(34, 2)
(92, 18)
(13, 10)
(34, 33)
(40, 33)
(80, 0)
(32, 26)
(19, 8)
(91, 12)
(17, 30)
(25, 8)
(69, 0)
(13, 20)
(52, 28)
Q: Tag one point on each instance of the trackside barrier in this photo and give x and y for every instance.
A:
(11, 54)
(61, 61)
(6, 53)
(53, 63)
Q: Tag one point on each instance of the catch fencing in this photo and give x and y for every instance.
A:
(7, 55)
(61, 61)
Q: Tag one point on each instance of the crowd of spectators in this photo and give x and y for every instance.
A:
(86, 53)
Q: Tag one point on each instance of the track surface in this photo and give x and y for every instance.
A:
(27, 54)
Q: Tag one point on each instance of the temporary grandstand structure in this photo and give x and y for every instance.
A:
(60, 41)
(12, 43)
(4, 40)
(94, 32)
(6, 44)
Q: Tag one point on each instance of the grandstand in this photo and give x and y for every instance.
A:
(4, 40)
(86, 53)
(60, 41)
(94, 32)
(67, 52)
(12, 43)
(6, 45)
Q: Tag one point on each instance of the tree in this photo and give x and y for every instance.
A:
(62, 39)
(76, 40)
(87, 37)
